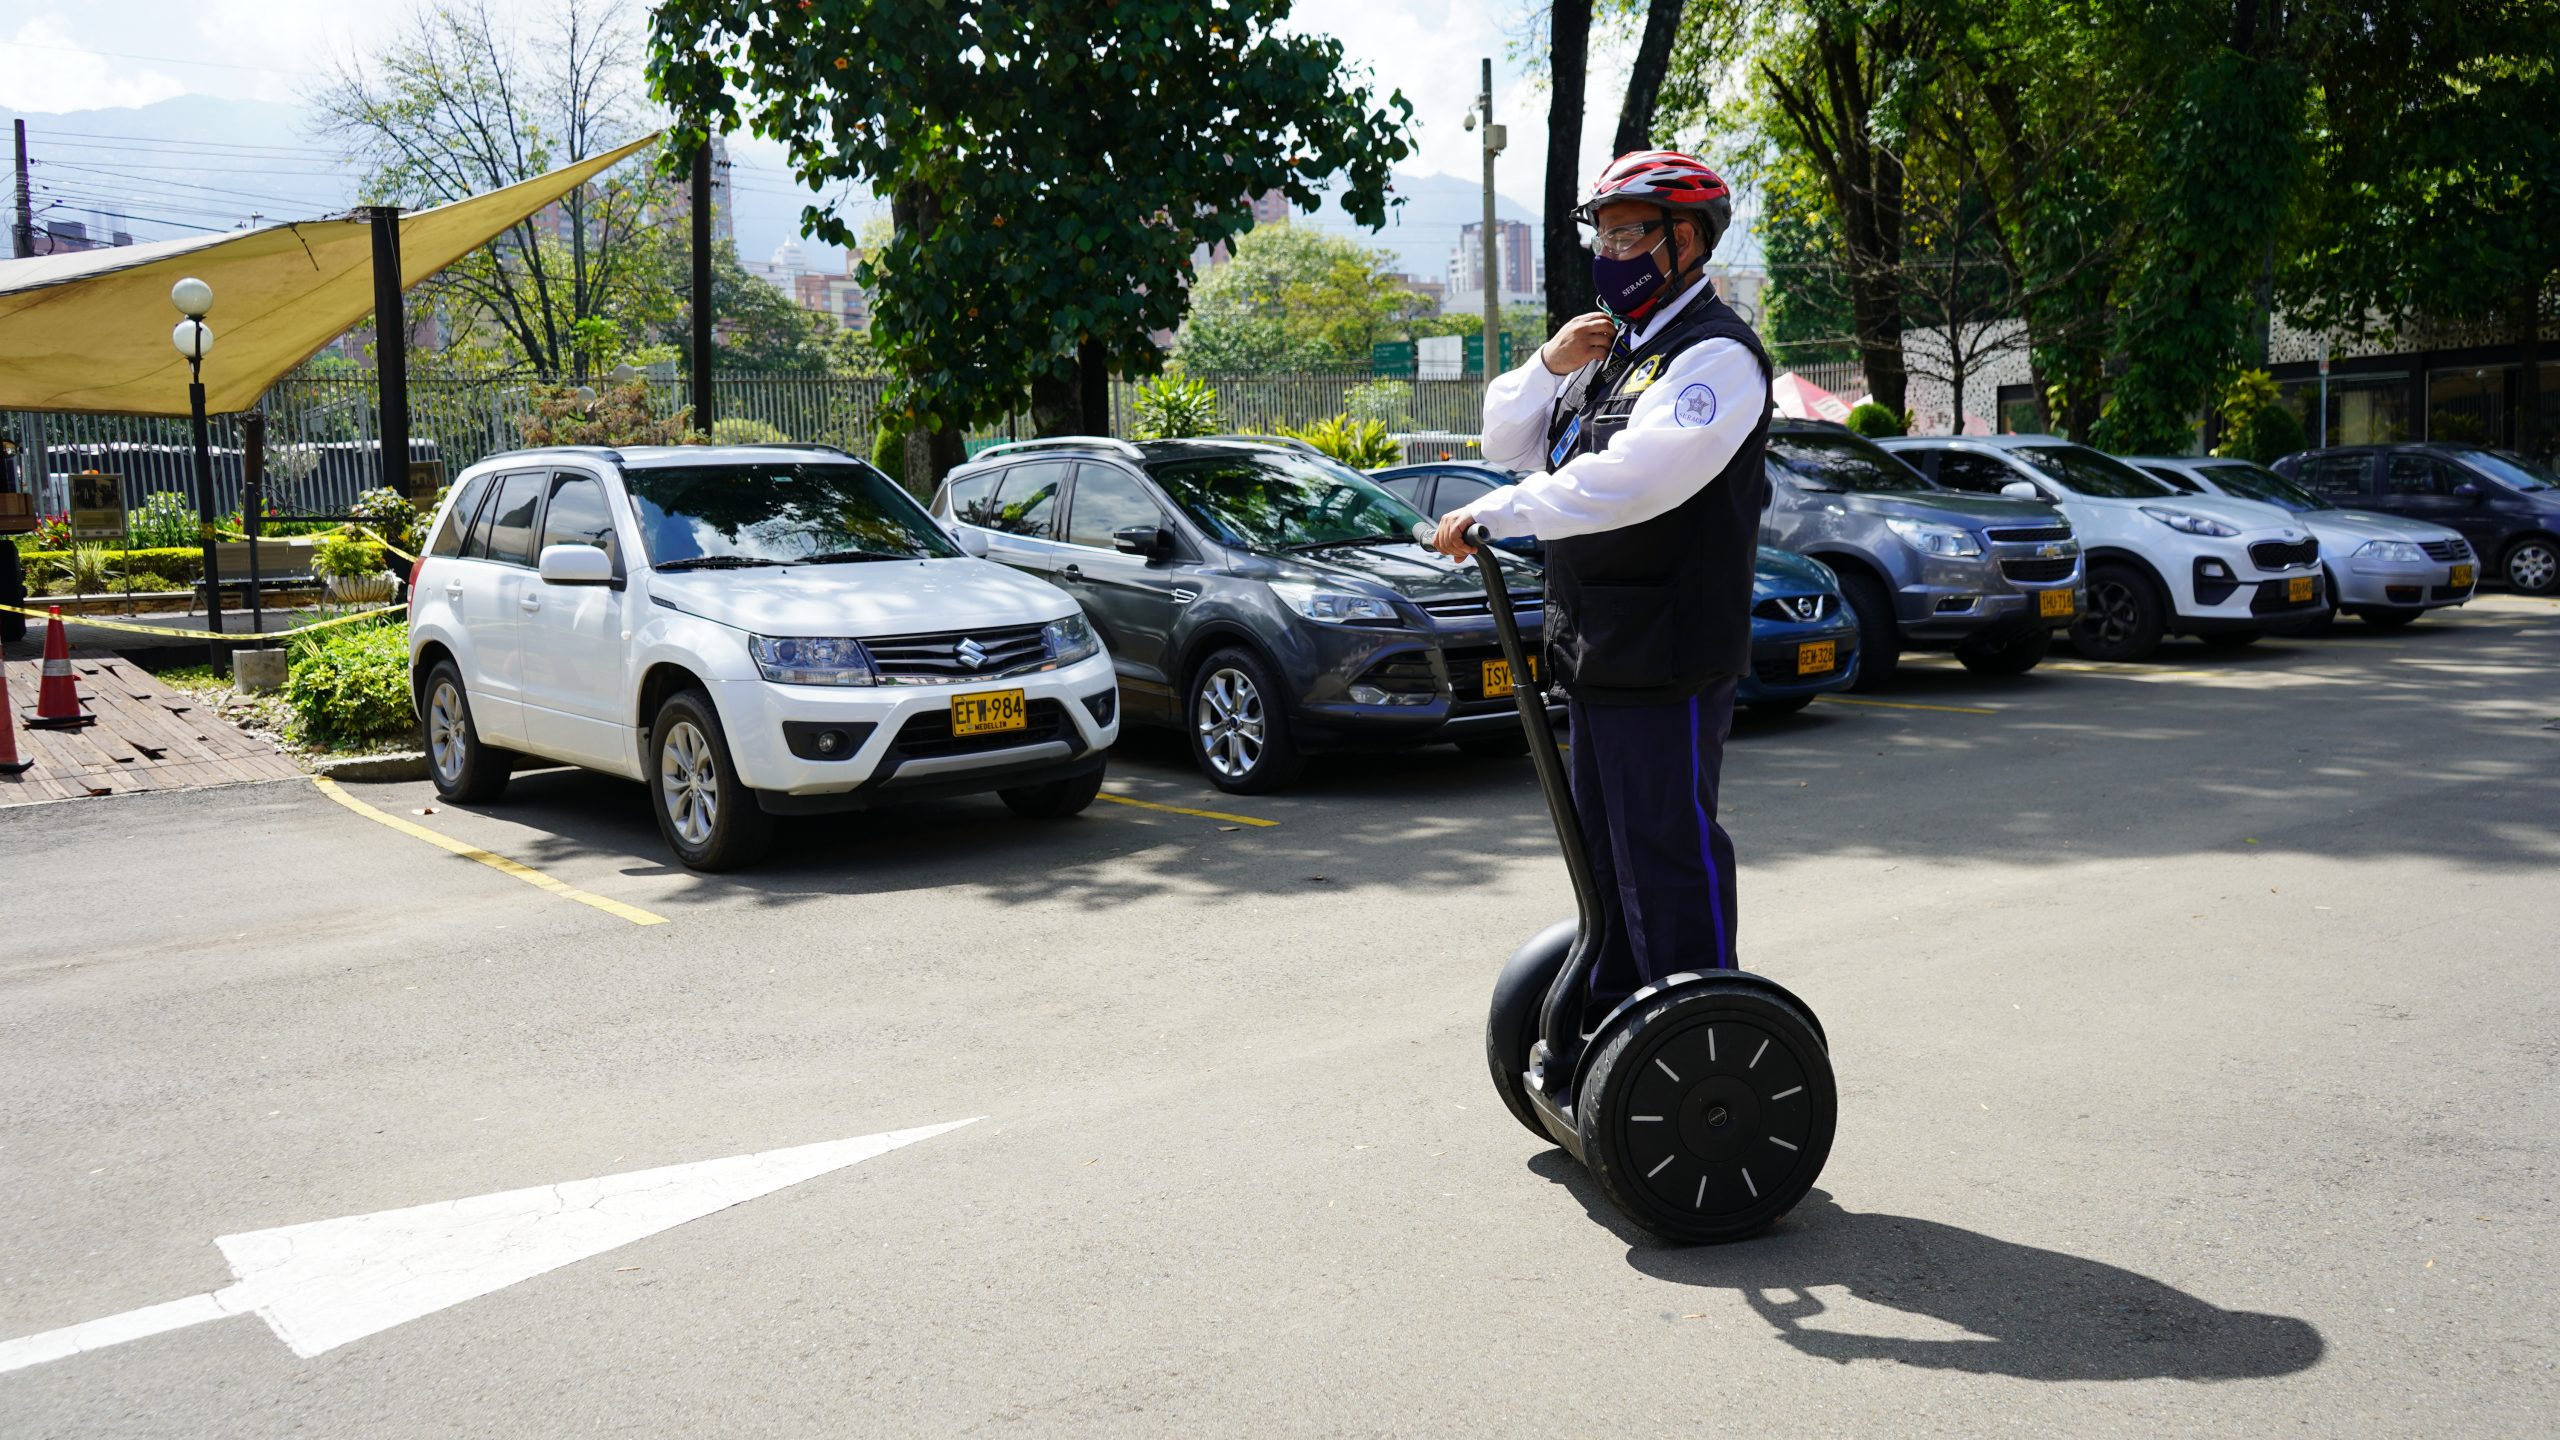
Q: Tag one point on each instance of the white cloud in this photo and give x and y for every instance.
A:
(40, 71)
(82, 57)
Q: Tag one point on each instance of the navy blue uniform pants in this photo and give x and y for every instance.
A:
(1644, 785)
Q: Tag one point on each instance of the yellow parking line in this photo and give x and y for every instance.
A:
(1908, 705)
(499, 863)
(1179, 810)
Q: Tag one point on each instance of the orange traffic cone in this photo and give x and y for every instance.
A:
(10, 764)
(58, 699)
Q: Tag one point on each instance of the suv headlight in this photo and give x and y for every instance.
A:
(1068, 640)
(2391, 552)
(1928, 539)
(799, 660)
(1340, 607)
(2187, 522)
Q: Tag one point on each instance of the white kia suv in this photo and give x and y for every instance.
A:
(750, 631)
(2161, 562)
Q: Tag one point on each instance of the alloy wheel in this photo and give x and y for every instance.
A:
(690, 782)
(1229, 720)
(2111, 611)
(2532, 566)
(445, 720)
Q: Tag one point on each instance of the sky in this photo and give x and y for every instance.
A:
(91, 54)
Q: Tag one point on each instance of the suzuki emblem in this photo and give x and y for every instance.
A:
(973, 652)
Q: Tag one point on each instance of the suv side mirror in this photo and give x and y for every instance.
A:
(576, 565)
(970, 539)
(1153, 541)
(2468, 490)
(2022, 490)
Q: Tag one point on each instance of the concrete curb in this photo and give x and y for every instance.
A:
(375, 769)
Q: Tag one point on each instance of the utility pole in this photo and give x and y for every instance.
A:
(701, 316)
(1493, 141)
(22, 230)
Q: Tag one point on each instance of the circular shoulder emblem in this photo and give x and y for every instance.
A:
(1696, 406)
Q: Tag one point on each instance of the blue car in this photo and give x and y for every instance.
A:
(1804, 637)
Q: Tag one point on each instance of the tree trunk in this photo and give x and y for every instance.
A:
(1093, 381)
(931, 454)
(1056, 405)
(2529, 359)
(1644, 82)
(1568, 269)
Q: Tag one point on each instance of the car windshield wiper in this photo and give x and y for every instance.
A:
(1349, 540)
(842, 557)
(716, 562)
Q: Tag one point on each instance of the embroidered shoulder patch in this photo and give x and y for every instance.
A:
(1696, 406)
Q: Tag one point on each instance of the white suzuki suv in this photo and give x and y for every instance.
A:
(750, 631)
(2160, 561)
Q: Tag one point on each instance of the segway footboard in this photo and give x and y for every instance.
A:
(1705, 1106)
(1511, 1030)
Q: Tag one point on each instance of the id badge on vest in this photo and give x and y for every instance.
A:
(1564, 445)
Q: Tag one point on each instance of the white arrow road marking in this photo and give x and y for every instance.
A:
(322, 1284)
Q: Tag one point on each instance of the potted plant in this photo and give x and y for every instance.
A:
(349, 564)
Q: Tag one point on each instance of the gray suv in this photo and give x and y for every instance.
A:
(1924, 568)
(1263, 598)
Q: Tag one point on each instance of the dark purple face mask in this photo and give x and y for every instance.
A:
(1627, 288)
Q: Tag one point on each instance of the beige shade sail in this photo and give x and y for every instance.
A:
(89, 331)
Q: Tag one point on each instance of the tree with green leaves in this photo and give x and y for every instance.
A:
(463, 101)
(1051, 166)
(1292, 298)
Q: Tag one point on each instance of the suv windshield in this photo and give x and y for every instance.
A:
(1279, 500)
(2252, 483)
(1821, 460)
(2512, 470)
(2084, 471)
(779, 515)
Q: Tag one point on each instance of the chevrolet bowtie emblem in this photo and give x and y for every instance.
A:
(973, 652)
(2051, 552)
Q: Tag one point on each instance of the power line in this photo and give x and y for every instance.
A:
(154, 180)
(164, 59)
(97, 140)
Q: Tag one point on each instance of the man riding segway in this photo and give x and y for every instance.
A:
(1642, 426)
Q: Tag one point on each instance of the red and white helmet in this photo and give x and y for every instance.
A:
(1666, 178)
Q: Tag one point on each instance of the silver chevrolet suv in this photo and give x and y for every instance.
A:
(1923, 567)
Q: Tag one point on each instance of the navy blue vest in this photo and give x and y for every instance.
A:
(1657, 611)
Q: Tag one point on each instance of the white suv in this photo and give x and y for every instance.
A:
(751, 631)
(2160, 561)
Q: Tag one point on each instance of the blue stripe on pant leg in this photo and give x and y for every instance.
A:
(1706, 837)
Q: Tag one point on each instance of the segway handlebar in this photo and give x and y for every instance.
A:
(1529, 691)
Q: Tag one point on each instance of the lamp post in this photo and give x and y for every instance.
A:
(193, 298)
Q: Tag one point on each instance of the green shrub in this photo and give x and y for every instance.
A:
(1360, 444)
(85, 569)
(1875, 422)
(738, 430)
(165, 519)
(1174, 407)
(1389, 402)
(2256, 423)
(182, 564)
(349, 687)
(347, 555)
(889, 453)
(390, 514)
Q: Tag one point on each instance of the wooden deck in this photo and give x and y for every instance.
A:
(147, 737)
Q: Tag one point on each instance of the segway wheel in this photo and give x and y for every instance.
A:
(1706, 1110)
(1511, 1029)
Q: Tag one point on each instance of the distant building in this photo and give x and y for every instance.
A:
(1434, 293)
(790, 261)
(1520, 268)
(840, 297)
(1744, 287)
(62, 237)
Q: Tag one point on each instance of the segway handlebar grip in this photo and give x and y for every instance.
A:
(1424, 532)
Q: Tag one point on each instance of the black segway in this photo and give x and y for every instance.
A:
(1703, 1104)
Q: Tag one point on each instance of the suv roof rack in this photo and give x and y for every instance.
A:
(606, 451)
(794, 445)
(1062, 442)
(1286, 442)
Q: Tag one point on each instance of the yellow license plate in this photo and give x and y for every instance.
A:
(988, 713)
(2054, 602)
(2298, 588)
(1497, 677)
(2461, 576)
(1816, 656)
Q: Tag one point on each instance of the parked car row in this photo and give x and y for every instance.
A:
(767, 630)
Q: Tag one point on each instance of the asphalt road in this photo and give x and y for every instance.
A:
(2195, 1023)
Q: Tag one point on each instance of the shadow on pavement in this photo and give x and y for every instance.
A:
(2038, 1314)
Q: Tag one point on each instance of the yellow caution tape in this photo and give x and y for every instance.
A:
(378, 540)
(201, 634)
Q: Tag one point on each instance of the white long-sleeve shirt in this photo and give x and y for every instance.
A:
(1683, 431)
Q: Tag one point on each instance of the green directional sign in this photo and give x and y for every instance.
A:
(1391, 357)
(1475, 353)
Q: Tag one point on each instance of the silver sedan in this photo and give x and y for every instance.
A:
(2384, 569)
